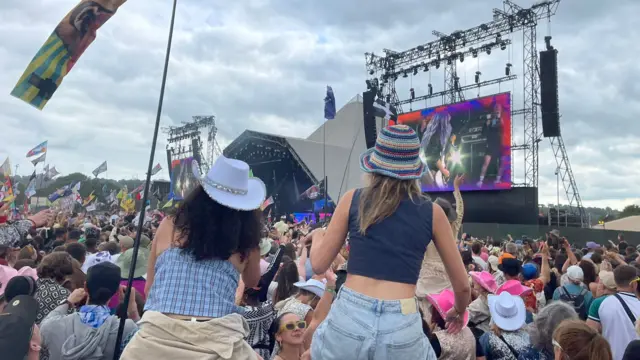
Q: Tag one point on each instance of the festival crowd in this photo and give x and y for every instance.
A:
(390, 276)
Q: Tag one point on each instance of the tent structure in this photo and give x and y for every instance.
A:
(290, 165)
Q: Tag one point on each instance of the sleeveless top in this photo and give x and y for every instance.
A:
(392, 249)
(184, 286)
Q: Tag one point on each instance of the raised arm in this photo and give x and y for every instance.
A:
(459, 205)
(326, 245)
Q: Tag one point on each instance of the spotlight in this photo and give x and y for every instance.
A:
(388, 97)
(368, 82)
(456, 83)
(488, 49)
(498, 38)
(503, 45)
(371, 72)
(415, 70)
(437, 64)
(426, 68)
(438, 57)
(507, 69)
(375, 83)
(474, 52)
(477, 78)
(430, 89)
(461, 57)
(449, 61)
(413, 93)
(405, 75)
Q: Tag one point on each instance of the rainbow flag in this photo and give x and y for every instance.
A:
(61, 51)
(39, 149)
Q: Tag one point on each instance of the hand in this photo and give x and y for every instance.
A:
(565, 243)
(42, 218)
(331, 277)
(454, 321)
(445, 173)
(458, 181)
(77, 297)
(544, 249)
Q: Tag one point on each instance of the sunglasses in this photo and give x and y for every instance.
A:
(290, 326)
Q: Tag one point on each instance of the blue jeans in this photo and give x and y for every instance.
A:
(359, 327)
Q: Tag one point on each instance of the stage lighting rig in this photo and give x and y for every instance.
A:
(461, 57)
(412, 92)
(507, 69)
(477, 77)
(415, 70)
(430, 87)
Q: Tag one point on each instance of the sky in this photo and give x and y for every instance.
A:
(264, 65)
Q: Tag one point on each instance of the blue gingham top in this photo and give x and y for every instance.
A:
(184, 286)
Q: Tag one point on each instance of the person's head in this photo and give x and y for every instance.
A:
(626, 278)
(103, 281)
(74, 236)
(483, 283)
(287, 330)
(213, 230)
(126, 243)
(290, 251)
(91, 245)
(28, 252)
(286, 278)
(310, 292)
(596, 257)
(511, 268)
(449, 210)
(575, 340)
(623, 246)
(60, 233)
(19, 285)
(77, 251)
(508, 312)
(575, 274)
(19, 336)
(606, 283)
(25, 263)
(512, 248)
(476, 247)
(589, 271)
(547, 320)
(111, 246)
(56, 266)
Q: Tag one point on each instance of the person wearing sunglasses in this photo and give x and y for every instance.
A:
(575, 340)
(288, 331)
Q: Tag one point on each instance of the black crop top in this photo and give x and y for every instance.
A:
(394, 248)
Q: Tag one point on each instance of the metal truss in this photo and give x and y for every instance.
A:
(568, 180)
(189, 131)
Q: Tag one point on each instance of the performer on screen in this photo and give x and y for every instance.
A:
(432, 153)
(492, 130)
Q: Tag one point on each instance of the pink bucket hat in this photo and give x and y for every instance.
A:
(513, 287)
(484, 279)
(443, 302)
(6, 273)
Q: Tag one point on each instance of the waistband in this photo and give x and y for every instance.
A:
(403, 306)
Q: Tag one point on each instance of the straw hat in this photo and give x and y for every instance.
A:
(396, 154)
(228, 183)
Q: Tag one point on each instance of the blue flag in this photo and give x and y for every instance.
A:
(329, 104)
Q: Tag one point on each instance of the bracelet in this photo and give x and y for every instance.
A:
(331, 291)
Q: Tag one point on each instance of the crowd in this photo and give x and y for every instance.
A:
(390, 276)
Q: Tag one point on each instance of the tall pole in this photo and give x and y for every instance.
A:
(145, 195)
(558, 192)
(324, 167)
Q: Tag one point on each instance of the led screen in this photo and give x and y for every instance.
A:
(471, 138)
(182, 179)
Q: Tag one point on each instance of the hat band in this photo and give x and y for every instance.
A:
(224, 188)
(505, 313)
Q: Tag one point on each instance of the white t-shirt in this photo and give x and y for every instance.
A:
(617, 328)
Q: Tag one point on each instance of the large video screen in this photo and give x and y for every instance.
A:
(182, 179)
(471, 138)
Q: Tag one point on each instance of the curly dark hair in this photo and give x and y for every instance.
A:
(287, 276)
(56, 266)
(213, 230)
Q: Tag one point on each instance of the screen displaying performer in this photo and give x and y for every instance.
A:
(471, 138)
(182, 179)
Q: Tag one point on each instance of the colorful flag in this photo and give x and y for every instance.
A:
(313, 191)
(46, 169)
(5, 169)
(329, 104)
(51, 173)
(100, 169)
(39, 149)
(266, 203)
(61, 51)
(89, 199)
(39, 159)
(156, 169)
(31, 188)
(77, 186)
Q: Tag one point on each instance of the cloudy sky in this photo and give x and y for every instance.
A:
(264, 64)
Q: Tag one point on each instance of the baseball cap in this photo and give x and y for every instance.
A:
(529, 271)
(607, 279)
(103, 281)
(575, 273)
(125, 241)
(505, 256)
(16, 324)
(592, 245)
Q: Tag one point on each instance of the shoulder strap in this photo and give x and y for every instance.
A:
(583, 292)
(564, 291)
(626, 309)
(513, 351)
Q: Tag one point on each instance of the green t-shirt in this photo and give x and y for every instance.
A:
(595, 307)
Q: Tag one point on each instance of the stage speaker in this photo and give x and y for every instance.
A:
(370, 131)
(195, 145)
(169, 161)
(549, 93)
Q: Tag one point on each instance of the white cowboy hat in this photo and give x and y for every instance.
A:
(228, 183)
(507, 311)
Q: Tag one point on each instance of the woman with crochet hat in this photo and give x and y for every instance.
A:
(390, 224)
(479, 314)
(460, 346)
(507, 338)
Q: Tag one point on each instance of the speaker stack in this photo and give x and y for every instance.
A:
(549, 93)
(370, 131)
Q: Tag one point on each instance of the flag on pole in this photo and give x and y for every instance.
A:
(31, 188)
(329, 104)
(33, 176)
(46, 169)
(89, 199)
(5, 169)
(77, 186)
(51, 173)
(61, 51)
(100, 169)
(266, 203)
(39, 159)
(39, 149)
(156, 169)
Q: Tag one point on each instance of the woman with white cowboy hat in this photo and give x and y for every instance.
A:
(390, 223)
(507, 338)
(197, 258)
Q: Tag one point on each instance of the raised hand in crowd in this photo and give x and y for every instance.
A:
(77, 298)
(132, 307)
(458, 181)
(42, 218)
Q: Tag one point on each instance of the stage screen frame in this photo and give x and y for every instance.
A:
(182, 178)
(468, 132)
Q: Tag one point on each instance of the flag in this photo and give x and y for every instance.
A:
(61, 51)
(100, 169)
(168, 204)
(266, 203)
(313, 191)
(59, 193)
(329, 104)
(385, 110)
(39, 149)
(89, 199)
(51, 173)
(105, 190)
(156, 169)
(31, 188)
(77, 186)
(5, 169)
(138, 189)
(39, 159)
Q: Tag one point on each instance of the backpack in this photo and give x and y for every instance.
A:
(576, 301)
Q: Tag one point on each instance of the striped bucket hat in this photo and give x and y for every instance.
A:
(395, 154)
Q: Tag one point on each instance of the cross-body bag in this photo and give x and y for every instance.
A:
(626, 309)
(513, 351)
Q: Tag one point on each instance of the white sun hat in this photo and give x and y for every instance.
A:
(228, 183)
(507, 311)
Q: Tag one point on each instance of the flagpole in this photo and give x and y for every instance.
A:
(136, 244)
(324, 165)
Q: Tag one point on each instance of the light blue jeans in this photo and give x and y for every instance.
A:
(359, 327)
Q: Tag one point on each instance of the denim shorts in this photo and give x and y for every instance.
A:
(359, 327)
